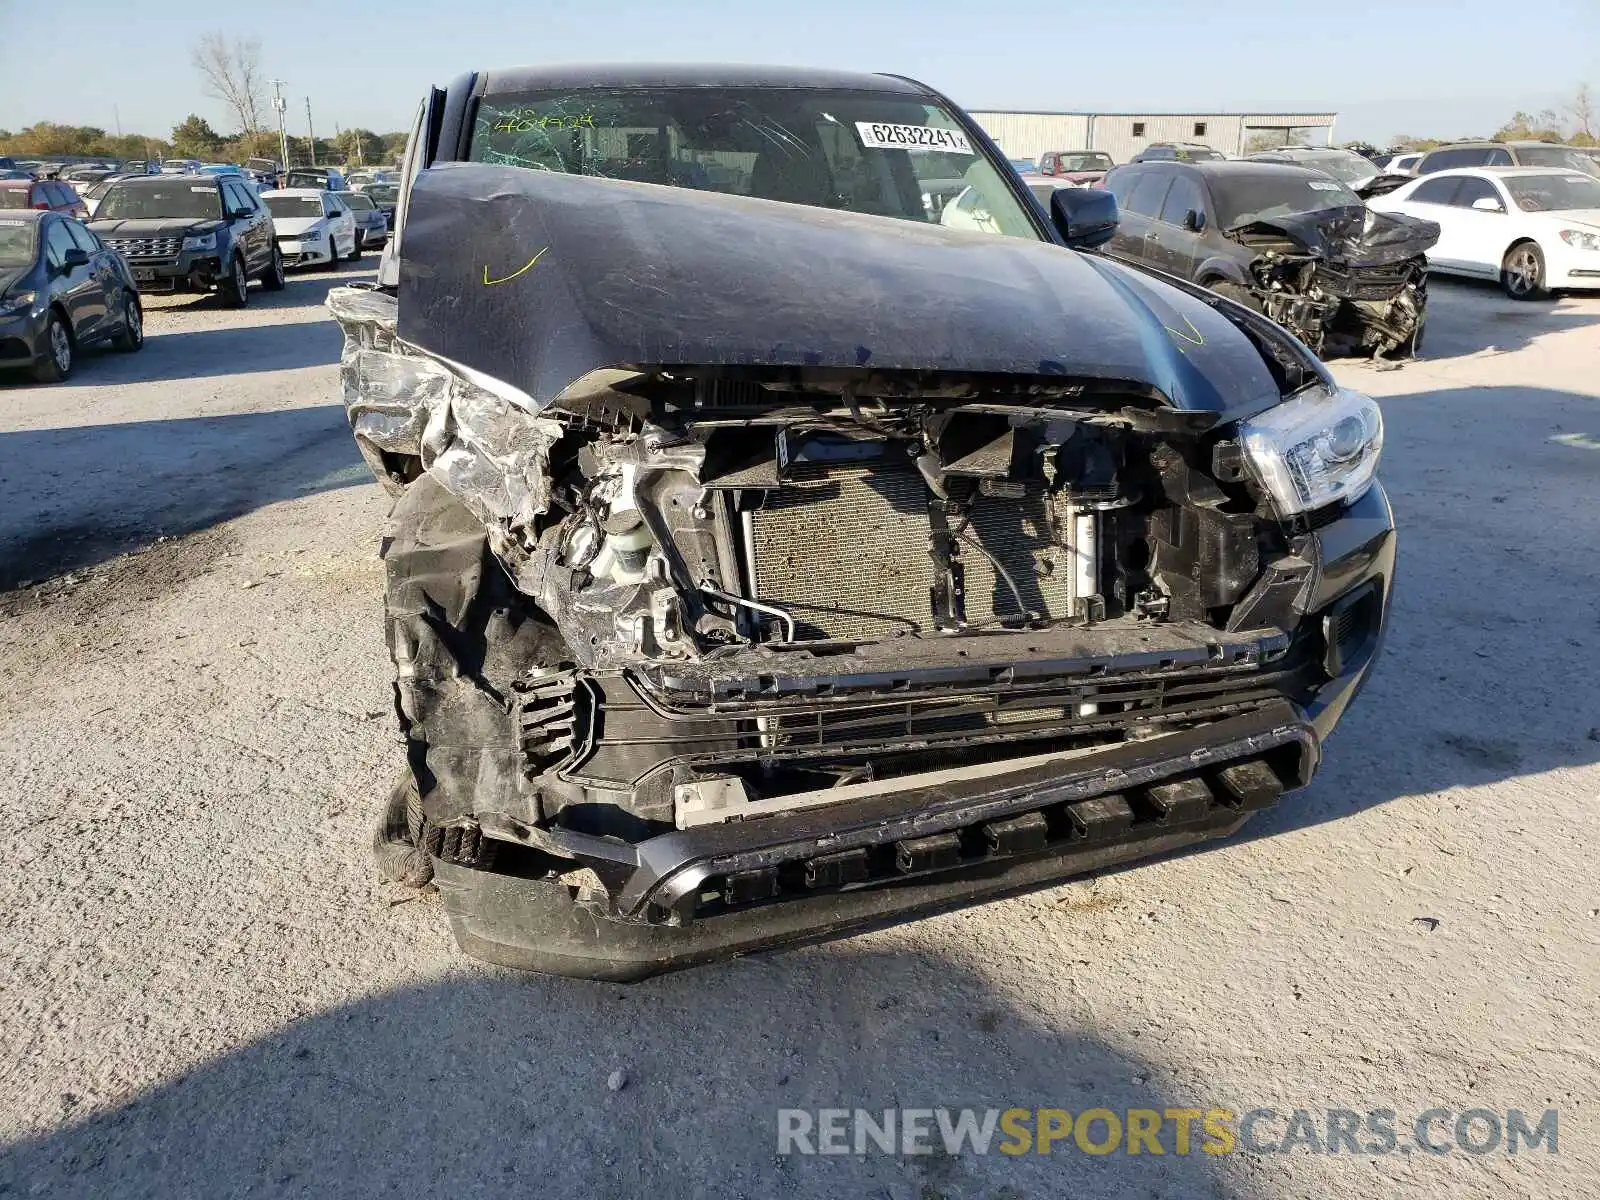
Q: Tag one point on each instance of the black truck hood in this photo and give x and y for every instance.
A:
(155, 227)
(1353, 235)
(539, 278)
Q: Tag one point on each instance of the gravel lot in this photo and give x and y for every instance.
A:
(206, 990)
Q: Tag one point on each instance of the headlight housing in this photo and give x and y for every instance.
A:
(1582, 239)
(16, 302)
(1319, 448)
(200, 241)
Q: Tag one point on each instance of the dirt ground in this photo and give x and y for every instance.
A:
(207, 991)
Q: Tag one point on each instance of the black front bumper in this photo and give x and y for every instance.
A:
(914, 847)
(698, 894)
(191, 271)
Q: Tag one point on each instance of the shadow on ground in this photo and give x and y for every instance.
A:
(494, 1084)
(1487, 672)
(76, 496)
(1466, 316)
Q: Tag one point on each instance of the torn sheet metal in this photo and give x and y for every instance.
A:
(489, 450)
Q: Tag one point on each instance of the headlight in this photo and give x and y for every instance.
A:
(201, 241)
(1318, 449)
(16, 302)
(1581, 238)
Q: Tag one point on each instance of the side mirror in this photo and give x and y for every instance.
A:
(1194, 220)
(1085, 217)
(74, 258)
(1488, 204)
(239, 214)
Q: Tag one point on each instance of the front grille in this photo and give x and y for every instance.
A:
(1366, 283)
(846, 551)
(149, 247)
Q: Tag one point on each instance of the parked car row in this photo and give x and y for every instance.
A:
(70, 280)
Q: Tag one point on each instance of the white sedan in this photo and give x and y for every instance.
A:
(1535, 229)
(313, 226)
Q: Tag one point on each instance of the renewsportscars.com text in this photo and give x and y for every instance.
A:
(1179, 1131)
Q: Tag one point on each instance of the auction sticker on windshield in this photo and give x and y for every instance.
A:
(876, 136)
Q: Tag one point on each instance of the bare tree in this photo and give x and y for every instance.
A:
(231, 72)
(1581, 110)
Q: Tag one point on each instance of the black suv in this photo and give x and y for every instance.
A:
(777, 552)
(1289, 241)
(192, 233)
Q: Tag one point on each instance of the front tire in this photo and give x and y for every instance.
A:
(274, 279)
(59, 350)
(333, 253)
(1234, 292)
(131, 336)
(235, 289)
(355, 246)
(1522, 272)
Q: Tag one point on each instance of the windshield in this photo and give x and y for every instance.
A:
(1199, 154)
(1086, 162)
(190, 201)
(1347, 168)
(358, 201)
(16, 242)
(294, 206)
(310, 179)
(383, 193)
(1553, 156)
(865, 152)
(1244, 199)
(1553, 193)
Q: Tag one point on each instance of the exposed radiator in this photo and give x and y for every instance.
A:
(845, 551)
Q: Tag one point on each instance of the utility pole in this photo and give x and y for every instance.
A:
(117, 117)
(311, 134)
(336, 136)
(279, 104)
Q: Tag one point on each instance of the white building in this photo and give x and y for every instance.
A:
(1122, 135)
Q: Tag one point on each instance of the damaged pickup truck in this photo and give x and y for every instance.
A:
(769, 561)
(1291, 242)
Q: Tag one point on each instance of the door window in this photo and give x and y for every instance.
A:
(1148, 193)
(1184, 197)
(1436, 191)
(85, 240)
(1475, 189)
(1462, 156)
(57, 241)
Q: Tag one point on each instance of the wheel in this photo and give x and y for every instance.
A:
(1522, 272)
(333, 253)
(131, 336)
(56, 364)
(355, 246)
(235, 289)
(273, 280)
(1240, 295)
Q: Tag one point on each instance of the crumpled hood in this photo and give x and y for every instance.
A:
(155, 227)
(1354, 235)
(539, 278)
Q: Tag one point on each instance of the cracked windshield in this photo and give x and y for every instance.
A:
(831, 149)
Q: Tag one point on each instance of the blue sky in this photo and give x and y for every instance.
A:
(1436, 68)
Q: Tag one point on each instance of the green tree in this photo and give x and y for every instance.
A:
(1405, 143)
(1544, 126)
(394, 146)
(195, 138)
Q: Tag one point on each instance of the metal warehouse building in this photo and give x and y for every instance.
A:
(1122, 135)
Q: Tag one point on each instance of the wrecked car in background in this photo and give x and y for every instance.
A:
(1290, 242)
(769, 560)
